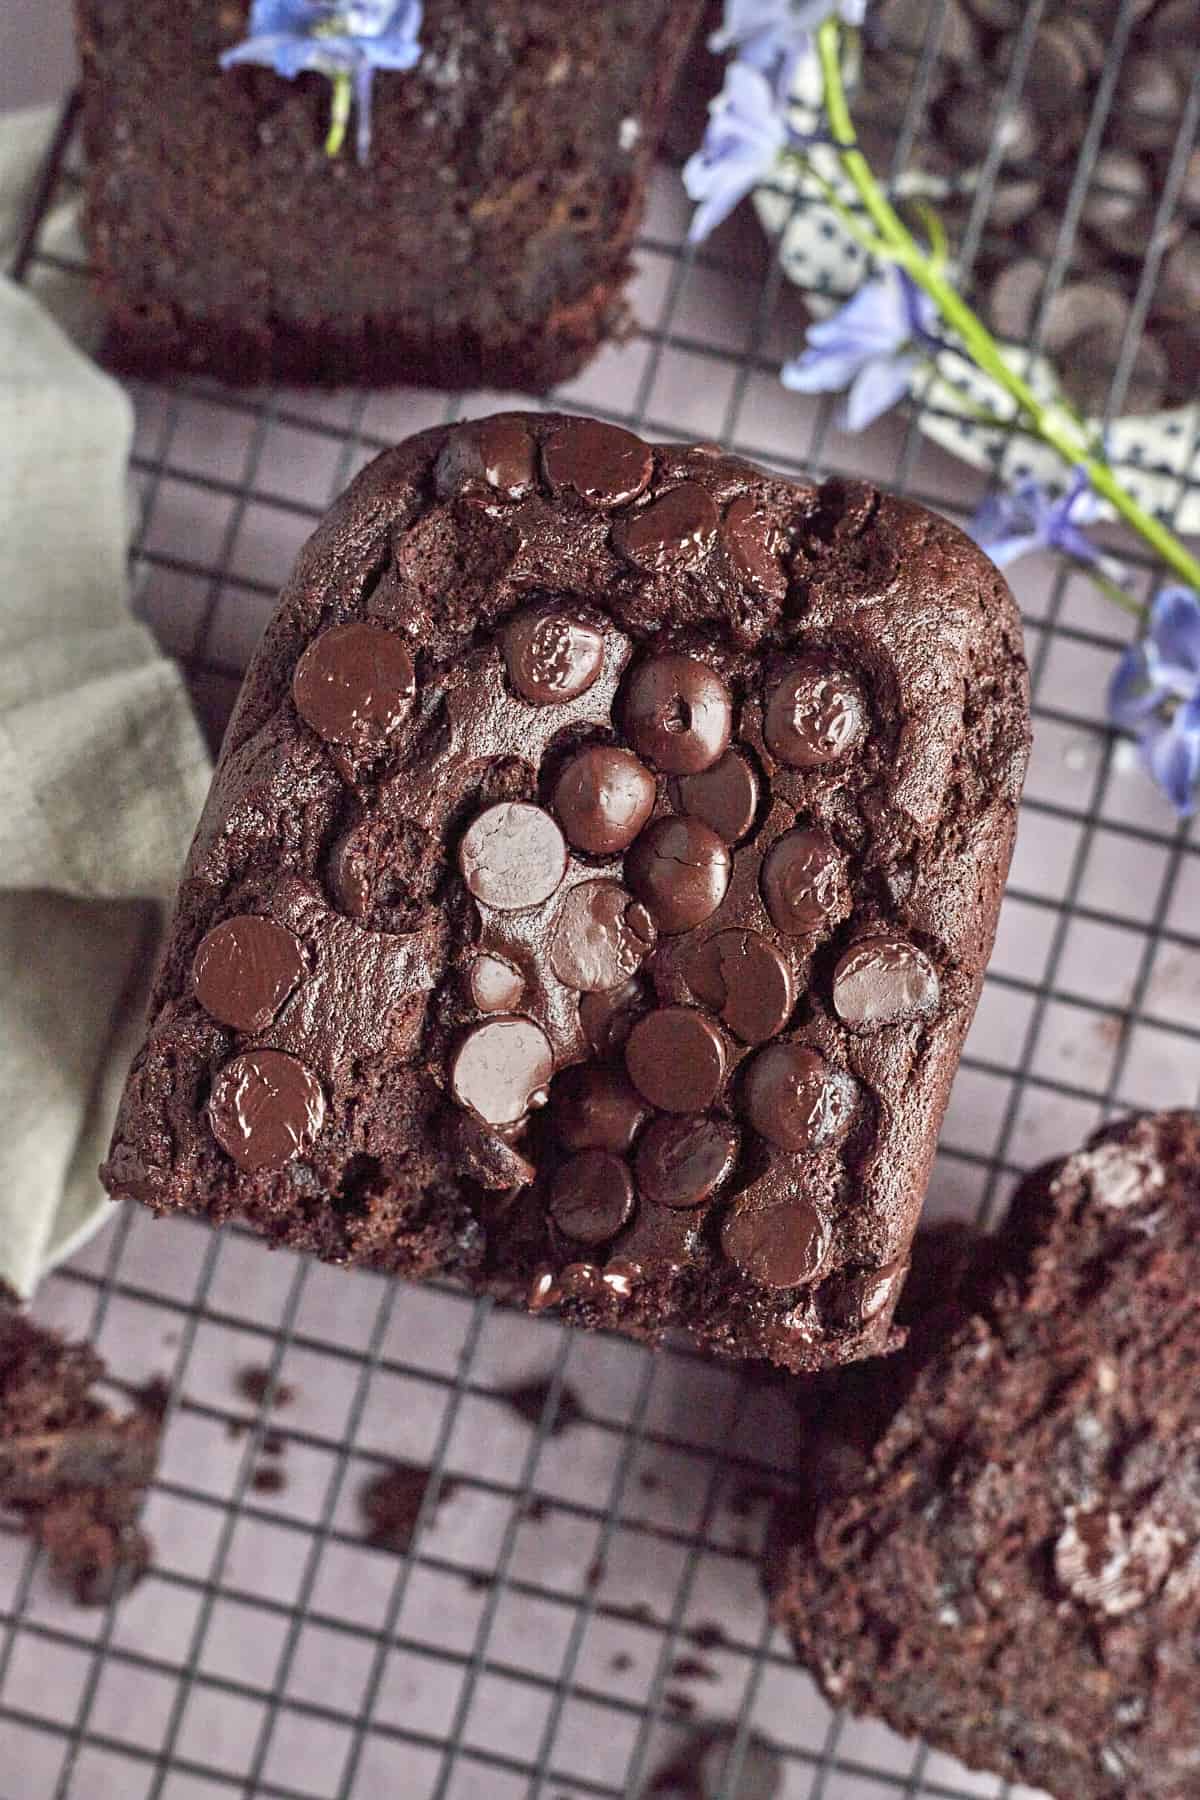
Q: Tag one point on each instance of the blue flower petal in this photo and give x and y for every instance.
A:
(1132, 695)
(1173, 758)
(877, 387)
(817, 371)
(746, 131)
(1175, 628)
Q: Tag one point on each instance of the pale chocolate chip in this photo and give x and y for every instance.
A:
(512, 856)
(884, 981)
(1118, 203)
(1149, 102)
(496, 986)
(501, 1069)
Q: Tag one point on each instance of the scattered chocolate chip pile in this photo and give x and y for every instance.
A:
(74, 1472)
(997, 1540)
(596, 889)
(1084, 325)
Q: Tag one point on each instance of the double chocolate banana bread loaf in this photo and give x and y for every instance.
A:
(484, 240)
(595, 889)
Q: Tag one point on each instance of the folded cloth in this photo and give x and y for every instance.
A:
(102, 774)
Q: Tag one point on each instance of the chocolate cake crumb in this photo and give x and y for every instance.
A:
(708, 1635)
(268, 1481)
(691, 1668)
(253, 1383)
(696, 1771)
(529, 1399)
(391, 1503)
(620, 1661)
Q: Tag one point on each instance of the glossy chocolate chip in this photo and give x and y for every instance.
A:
(815, 714)
(591, 1197)
(775, 1235)
(244, 970)
(803, 883)
(676, 1059)
(601, 937)
(496, 986)
(501, 1069)
(795, 1099)
(599, 464)
(594, 1106)
(680, 869)
(608, 1017)
(680, 1161)
(488, 456)
(265, 1108)
(603, 798)
(552, 657)
(678, 713)
(851, 1300)
(744, 979)
(725, 797)
(512, 856)
(884, 981)
(354, 685)
(672, 533)
(753, 543)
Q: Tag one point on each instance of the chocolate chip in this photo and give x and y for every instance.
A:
(512, 856)
(724, 797)
(680, 869)
(774, 1234)
(608, 1017)
(594, 1107)
(1056, 67)
(501, 1068)
(495, 455)
(884, 981)
(601, 938)
(972, 127)
(244, 970)
(265, 1108)
(680, 1161)
(496, 986)
(1118, 200)
(909, 24)
(604, 797)
(600, 464)
(551, 657)
(679, 714)
(743, 978)
(1014, 298)
(673, 532)
(1179, 280)
(1149, 101)
(591, 1197)
(486, 1157)
(803, 883)
(796, 1100)
(354, 685)
(851, 1300)
(676, 1058)
(815, 714)
(753, 543)
(1081, 309)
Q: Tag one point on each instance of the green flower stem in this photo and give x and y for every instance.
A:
(1052, 423)
(339, 112)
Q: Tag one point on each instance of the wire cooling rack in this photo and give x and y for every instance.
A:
(578, 1595)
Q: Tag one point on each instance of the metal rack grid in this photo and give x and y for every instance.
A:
(530, 1643)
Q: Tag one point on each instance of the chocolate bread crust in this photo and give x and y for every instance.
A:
(1011, 1568)
(486, 242)
(772, 1156)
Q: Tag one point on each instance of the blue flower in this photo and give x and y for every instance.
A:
(872, 346)
(1156, 693)
(1011, 525)
(344, 40)
(746, 132)
(772, 35)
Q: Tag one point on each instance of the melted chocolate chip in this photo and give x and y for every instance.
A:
(796, 1100)
(512, 856)
(604, 797)
(601, 938)
(680, 869)
(724, 797)
(680, 1161)
(884, 981)
(775, 1235)
(265, 1108)
(354, 685)
(496, 986)
(676, 1058)
(244, 970)
(851, 1300)
(594, 1107)
(673, 532)
(496, 456)
(591, 1197)
(602, 465)
(753, 544)
(552, 657)
(501, 1068)
(815, 714)
(608, 1017)
(743, 978)
(679, 714)
(803, 883)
